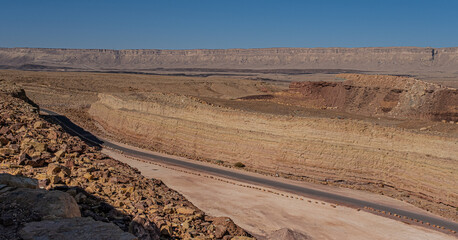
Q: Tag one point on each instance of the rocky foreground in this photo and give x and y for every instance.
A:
(64, 188)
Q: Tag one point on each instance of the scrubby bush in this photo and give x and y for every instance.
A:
(239, 165)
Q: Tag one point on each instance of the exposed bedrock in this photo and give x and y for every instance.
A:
(377, 95)
(344, 150)
(399, 59)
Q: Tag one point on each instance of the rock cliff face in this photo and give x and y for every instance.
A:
(404, 59)
(377, 95)
(344, 152)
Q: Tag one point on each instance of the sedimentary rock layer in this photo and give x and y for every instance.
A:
(376, 95)
(404, 59)
(329, 150)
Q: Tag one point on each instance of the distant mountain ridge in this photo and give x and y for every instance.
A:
(396, 59)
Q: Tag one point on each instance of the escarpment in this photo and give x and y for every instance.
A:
(395, 59)
(90, 194)
(403, 164)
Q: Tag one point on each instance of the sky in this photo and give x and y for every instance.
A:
(211, 24)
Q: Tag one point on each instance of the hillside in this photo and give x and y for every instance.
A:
(105, 190)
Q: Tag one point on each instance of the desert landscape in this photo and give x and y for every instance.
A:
(228, 120)
(381, 121)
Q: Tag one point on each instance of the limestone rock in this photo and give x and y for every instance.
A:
(47, 204)
(287, 234)
(18, 181)
(73, 229)
(185, 211)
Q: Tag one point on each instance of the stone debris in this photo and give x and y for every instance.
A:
(88, 183)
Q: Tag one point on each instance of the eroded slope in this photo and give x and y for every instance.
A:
(417, 167)
(375, 95)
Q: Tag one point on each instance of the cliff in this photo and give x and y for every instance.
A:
(376, 95)
(396, 59)
(331, 151)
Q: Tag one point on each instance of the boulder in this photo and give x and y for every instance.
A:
(18, 181)
(47, 204)
(73, 229)
(287, 234)
(39, 125)
(185, 211)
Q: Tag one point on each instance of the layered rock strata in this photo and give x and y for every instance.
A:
(404, 59)
(376, 95)
(413, 166)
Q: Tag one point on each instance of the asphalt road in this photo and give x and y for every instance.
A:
(299, 190)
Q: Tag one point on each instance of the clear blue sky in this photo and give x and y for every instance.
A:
(189, 24)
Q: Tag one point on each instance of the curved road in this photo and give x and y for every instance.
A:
(300, 190)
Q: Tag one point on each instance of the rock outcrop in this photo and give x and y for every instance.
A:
(395, 59)
(73, 229)
(287, 234)
(76, 173)
(342, 152)
(376, 95)
(35, 214)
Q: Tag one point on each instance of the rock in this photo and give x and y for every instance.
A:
(169, 209)
(144, 229)
(166, 230)
(245, 238)
(220, 231)
(6, 151)
(80, 198)
(53, 169)
(55, 179)
(88, 176)
(73, 229)
(232, 229)
(185, 211)
(287, 234)
(59, 154)
(22, 158)
(4, 130)
(18, 181)
(47, 204)
(38, 146)
(38, 125)
(185, 225)
(36, 161)
(52, 135)
(3, 141)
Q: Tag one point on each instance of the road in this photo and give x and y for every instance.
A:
(249, 178)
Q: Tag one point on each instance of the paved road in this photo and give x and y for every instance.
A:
(300, 190)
